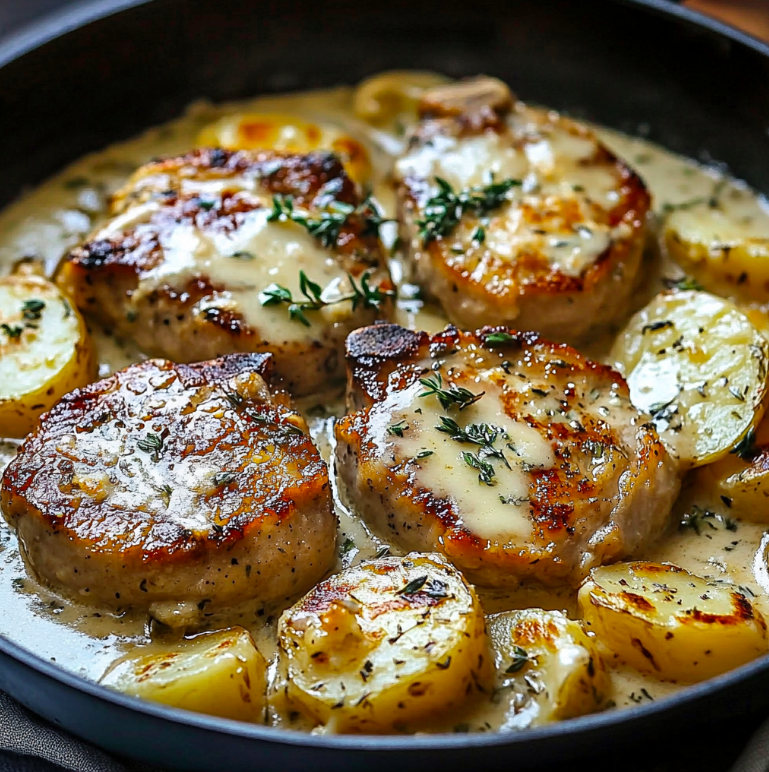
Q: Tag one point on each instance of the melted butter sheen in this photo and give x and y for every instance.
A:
(51, 219)
(245, 260)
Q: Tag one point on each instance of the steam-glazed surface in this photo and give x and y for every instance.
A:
(172, 484)
(194, 242)
(557, 252)
(515, 457)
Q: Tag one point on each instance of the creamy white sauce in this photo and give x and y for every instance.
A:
(47, 221)
(551, 165)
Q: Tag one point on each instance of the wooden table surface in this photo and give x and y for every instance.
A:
(750, 15)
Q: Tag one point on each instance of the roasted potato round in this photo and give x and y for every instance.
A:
(45, 351)
(724, 247)
(663, 620)
(286, 134)
(393, 95)
(222, 674)
(741, 480)
(548, 667)
(698, 366)
(385, 646)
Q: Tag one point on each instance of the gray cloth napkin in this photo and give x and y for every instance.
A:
(755, 757)
(29, 744)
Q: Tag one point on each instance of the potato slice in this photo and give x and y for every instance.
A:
(724, 247)
(385, 645)
(699, 367)
(289, 134)
(45, 351)
(393, 95)
(663, 620)
(741, 480)
(221, 674)
(549, 668)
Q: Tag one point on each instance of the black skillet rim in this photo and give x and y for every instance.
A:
(58, 24)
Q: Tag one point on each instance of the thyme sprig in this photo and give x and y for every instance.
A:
(444, 210)
(324, 226)
(484, 435)
(448, 397)
(363, 294)
(327, 223)
(485, 469)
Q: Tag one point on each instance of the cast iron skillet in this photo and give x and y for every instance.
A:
(108, 69)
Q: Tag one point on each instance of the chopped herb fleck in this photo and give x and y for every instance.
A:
(347, 546)
(152, 444)
(31, 310)
(397, 429)
(746, 447)
(654, 326)
(13, 332)
(414, 586)
(224, 478)
(498, 338)
(520, 659)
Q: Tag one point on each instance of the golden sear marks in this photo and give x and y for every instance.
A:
(607, 490)
(184, 467)
(191, 244)
(561, 255)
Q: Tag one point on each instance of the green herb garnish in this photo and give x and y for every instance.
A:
(397, 429)
(362, 294)
(31, 310)
(414, 586)
(454, 395)
(13, 332)
(347, 546)
(485, 469)
(152, 444)
(520, 659)
(445, 209)
(499, 339)
(746, 447)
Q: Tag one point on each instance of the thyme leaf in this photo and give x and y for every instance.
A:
(485, 469)
(152, 444)
(414, 586)
(746, 447)
(520, 659)
(31, 310)
(397, 429)
(13, 332)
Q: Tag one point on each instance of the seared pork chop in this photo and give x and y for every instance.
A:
(218, 252)
(517, 458)
(517, 216)
(165, 485)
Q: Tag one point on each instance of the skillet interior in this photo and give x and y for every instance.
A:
(629, 65)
